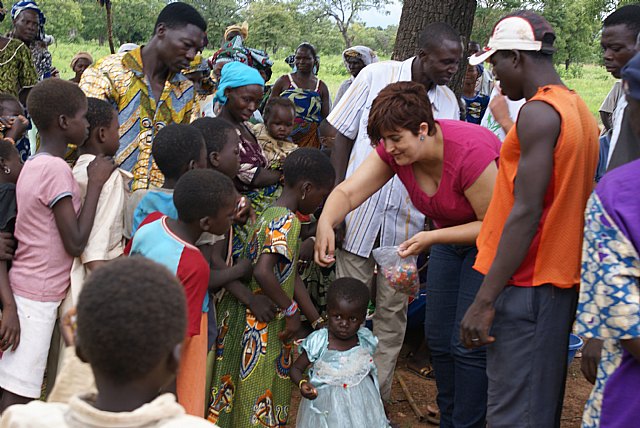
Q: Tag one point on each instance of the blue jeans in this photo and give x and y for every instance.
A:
(460, 373)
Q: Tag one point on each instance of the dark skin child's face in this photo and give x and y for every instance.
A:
(221, 222)
(10, 108)
(243, 101)
(280, 122)
(618, 47)
(228, 160)
(78, 126)
(112, 137)
(314, 197)
(345, 319)
(13, 164)
(471, 76)
(26, 26)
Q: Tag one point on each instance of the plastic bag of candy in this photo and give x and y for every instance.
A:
(402, 274)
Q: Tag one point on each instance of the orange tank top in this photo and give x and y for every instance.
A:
(554, 254)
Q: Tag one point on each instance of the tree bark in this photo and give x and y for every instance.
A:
(107, 6)
(417, 14)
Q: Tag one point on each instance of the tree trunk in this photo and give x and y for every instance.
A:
(417, 14)
(110, 27)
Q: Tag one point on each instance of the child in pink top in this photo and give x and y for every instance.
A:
(50, 229)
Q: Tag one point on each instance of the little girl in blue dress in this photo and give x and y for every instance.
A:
(342, 388)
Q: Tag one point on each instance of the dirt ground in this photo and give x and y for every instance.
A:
(424, 393)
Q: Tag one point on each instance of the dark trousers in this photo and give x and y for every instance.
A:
(460, 373)
(527, 364)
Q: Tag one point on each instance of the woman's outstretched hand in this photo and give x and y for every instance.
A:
(419, 243)
(325, 247)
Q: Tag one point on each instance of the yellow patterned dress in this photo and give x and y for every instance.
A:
(250, 383)
(120, 80)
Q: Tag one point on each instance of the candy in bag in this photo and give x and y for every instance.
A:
(402, 274)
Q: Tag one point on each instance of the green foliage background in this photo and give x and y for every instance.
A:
(278, 26)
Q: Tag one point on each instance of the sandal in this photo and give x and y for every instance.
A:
(425, 372)
(433, 415)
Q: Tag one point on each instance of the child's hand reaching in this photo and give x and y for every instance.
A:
(15, 126)
(99, 170)
(308, 391)
(306, 253)
(68, 327)
(244, 212)
(262, 307)
(292, 325)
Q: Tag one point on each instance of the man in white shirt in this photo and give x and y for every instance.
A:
(388, 217)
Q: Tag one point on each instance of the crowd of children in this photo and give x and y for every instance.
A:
(242, 313)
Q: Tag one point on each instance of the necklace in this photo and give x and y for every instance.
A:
(12, 56)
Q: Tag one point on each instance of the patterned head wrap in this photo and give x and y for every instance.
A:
(21, 6)
(81, 55)
(236, 75)
(235, 51)
(363, 53)
(242, 29)
(198, 64)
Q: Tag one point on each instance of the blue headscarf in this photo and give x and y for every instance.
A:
(30, 5)
(235, 75)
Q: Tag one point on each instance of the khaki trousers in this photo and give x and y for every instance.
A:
(389, 320)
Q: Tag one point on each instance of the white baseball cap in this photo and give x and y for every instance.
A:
(511, 33)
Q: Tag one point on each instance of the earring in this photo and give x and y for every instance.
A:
(304, 195)
(422, 138)
(7, 170)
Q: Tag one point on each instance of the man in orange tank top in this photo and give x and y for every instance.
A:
(530, 243)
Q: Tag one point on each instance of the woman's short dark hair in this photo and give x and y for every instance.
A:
(401, 105)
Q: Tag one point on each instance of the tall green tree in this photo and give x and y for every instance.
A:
(273, 25)
(345, 13)
(219, 14)
(64, 18)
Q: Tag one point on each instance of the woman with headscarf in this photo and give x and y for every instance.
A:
(16, 67)
(233, 49)
(28, 27)
(79, 63)
(309, 94)
(355, 59)
(239, 92)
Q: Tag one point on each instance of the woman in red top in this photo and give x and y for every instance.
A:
(449, 168)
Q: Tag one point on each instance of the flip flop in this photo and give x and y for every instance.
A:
(433, 415)
(425, 372)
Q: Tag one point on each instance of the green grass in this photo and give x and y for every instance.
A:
(593, 85)
(592, 82)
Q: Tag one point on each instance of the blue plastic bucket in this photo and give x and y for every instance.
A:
(575, 343)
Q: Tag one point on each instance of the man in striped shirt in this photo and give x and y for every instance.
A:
(388, 217)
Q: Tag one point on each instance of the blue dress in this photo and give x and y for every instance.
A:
(347, 384)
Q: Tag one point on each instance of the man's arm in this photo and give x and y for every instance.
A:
(340, 154)
(538, 129)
